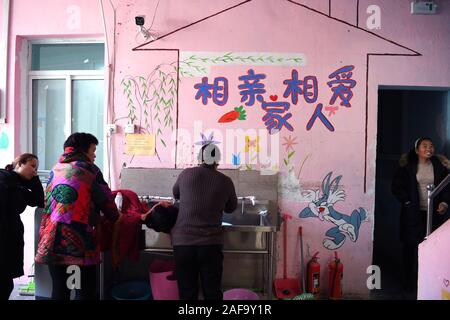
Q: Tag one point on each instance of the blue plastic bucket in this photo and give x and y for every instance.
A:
(132, 290)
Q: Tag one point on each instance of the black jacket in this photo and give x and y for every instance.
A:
(405, 189)
(15, 194)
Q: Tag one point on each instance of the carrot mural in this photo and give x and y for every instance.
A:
(237, 114)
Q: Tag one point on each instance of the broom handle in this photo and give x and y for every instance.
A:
(284, 248)
(302, 262)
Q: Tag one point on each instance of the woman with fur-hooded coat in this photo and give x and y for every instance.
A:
(417, 169)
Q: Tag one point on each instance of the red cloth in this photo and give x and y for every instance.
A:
(122, 237)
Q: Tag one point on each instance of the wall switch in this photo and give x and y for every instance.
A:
(129, 128)
(111, 128)
(423, 7)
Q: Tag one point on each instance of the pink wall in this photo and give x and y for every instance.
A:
(264, 26)
(55, 19)
(31, 20)
(434, 266)
(1, 24)
(4, 130)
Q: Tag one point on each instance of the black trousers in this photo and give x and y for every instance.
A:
(61, 290)
(410, 261)
(6, 287)
(192, 262)
(411, 257)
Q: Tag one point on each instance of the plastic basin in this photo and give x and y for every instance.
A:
(132, 290)
(240, 294)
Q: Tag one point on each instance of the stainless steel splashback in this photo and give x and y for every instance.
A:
(242, 267)
(155, 181)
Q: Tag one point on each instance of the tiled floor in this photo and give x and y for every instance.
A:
(391, 292)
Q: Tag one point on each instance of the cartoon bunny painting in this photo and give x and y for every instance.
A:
(322, 207)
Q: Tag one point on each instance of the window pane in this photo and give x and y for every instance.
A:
(48, 102)
(87, 111)
(77, 56)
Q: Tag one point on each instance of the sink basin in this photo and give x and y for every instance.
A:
(247, 222)
(242, 219)
(242, 232)
(255, 218)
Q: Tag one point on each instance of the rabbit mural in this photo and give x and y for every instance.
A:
(322, 207)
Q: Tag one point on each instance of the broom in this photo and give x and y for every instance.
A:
(305, 295)
(286, 288)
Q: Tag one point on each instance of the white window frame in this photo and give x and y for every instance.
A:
(68, 76)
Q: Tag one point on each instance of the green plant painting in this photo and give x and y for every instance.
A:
(151, 100)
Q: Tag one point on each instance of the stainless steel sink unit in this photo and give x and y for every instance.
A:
(253, 218)
(249, 232)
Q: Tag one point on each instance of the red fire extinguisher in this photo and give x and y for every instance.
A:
(335, 275)
(313, 275)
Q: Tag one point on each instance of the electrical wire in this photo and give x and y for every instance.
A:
(109, 155)
(112, 85)
(154, 15)
(111, 60)
(104, 29)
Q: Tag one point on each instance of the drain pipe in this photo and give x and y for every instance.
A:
(4, 60)
(108, 139)
(110, 59)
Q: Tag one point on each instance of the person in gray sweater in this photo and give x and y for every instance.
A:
(197, 239)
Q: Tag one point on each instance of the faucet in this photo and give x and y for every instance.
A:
(251, 198)
(148, 198)
(263, 213)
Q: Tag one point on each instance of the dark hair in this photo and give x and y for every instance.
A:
(80, 141)
(420, 140)
(412, 155)
(162, 219)
(209, 155)
(22, 159)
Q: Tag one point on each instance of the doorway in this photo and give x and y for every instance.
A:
(404, 114)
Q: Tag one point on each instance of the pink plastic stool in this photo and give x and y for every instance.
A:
(162, 287)
(163, 283)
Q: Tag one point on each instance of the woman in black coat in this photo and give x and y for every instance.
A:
(19, 187)
(417, 169)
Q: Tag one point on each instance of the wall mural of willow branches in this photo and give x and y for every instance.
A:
(151, 101)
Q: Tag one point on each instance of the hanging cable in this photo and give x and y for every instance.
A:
(110, 63)
(148, 33)
(154, 15)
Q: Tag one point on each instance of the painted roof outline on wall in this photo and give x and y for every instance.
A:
(191, 24)
(412, 53)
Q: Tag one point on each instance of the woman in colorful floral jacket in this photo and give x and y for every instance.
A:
(76, 193)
